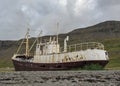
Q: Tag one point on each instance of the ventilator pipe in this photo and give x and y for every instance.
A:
(65, 43)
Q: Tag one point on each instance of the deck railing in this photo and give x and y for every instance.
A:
(83, 46)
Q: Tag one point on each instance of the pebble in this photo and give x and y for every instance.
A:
(61, 78)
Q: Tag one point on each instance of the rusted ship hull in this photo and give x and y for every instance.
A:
(30, 66)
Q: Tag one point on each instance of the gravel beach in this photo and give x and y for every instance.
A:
(61, 78)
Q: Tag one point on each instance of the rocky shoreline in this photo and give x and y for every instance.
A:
(61, 78)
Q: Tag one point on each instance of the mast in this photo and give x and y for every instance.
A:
(57, 32)
(57, 38)
(27, 43)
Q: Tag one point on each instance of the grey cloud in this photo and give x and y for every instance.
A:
(44, 15)
(109, 9)
(108, 3)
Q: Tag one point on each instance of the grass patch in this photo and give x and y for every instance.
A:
(113, 63)
(5, 62)
(93, 67)
(89, 67)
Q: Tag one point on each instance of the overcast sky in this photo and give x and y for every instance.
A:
(17, 15)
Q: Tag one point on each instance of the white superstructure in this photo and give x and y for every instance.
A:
(50, 52)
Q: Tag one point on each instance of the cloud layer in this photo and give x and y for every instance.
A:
(16, 15)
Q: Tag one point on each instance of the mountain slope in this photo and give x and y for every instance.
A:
(104, 30)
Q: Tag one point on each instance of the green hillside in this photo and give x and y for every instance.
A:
(113, 47)
(107, 33)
